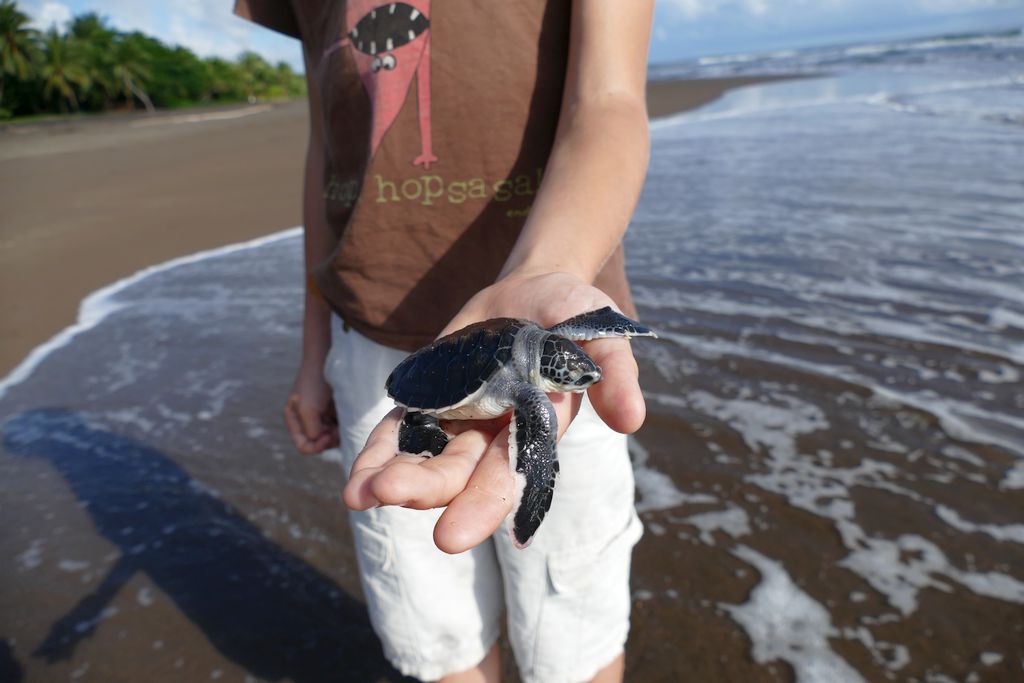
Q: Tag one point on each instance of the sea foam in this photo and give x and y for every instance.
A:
(101, 304)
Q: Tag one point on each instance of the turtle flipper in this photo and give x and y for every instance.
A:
(534, 460)
(604, 322)
(421, 433)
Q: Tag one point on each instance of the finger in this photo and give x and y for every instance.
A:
(380, 449)
(617, 397)
(294, 424)
(434, 482)
(382, 444)
(567, 405)
(329, 439)
(491, 426)
(475, 514)
(311, 420)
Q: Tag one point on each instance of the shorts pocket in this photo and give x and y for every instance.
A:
(586, 610)
(573, 570)
(375, 549)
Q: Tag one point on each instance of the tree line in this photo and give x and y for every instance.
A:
(92, 67)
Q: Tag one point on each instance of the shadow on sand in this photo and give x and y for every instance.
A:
(261, 607)
(10, 670)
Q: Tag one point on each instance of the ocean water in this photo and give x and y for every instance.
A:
(832, 472)
(836, 266)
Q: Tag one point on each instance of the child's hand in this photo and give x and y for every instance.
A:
(471, 476)
(309, 412)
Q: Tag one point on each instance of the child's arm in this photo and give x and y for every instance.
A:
(309, 411)
(580, 214)
(597, 165)
(590, 188)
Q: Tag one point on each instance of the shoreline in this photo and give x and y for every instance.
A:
(97, 306)
(18, 125)
(87, 202)
(669, 97)
(829, 467)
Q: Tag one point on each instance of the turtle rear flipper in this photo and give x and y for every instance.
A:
(604, 322)
(421, 433)
(534, 460)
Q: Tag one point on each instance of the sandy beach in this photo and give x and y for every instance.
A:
(830, 474)
(86, 202)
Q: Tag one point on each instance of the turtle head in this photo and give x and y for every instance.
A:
(564, 366)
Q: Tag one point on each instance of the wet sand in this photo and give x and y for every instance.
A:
(174, 535)
(86, 202)
(668, 97)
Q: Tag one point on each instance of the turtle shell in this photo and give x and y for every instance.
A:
(454, 366)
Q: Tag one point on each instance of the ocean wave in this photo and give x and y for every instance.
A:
(785, 623)
(776, 428)
(811, 59)
(102, 303)
(959, 418)
(656, 490)
(821, 92)
(929, 44)
(926, 100)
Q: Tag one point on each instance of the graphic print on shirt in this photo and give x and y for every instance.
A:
(390, 43)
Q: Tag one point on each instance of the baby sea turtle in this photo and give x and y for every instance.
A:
(488, 368)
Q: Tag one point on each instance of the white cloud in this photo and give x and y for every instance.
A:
(207, 27)
(128, 15)
(691, 10)
(48, 14)
(694, 9)
(956, 6)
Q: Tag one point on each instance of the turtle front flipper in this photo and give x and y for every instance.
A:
(604, 322)
(533, 459)
(421, 433)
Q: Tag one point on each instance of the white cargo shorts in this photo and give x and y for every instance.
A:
(566, 596)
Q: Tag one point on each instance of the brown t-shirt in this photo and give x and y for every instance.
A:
(438, 123)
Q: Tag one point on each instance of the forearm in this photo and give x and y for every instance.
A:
(599, 158)
(589, 191)
(317, 238)
(316, 324)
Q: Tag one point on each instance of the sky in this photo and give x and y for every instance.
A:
(683, 29)
(694, 28)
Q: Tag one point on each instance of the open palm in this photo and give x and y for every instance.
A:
(471, 476)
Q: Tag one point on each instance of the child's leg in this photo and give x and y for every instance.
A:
(567, 594)
(435, 614)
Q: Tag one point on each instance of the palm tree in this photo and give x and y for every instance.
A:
(94, 42)
(60, 70)
(257, 74)
(130, 71)
(222, 79)
(17, 44)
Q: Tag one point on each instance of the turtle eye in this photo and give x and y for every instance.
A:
(583, 372)
(388, 62)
